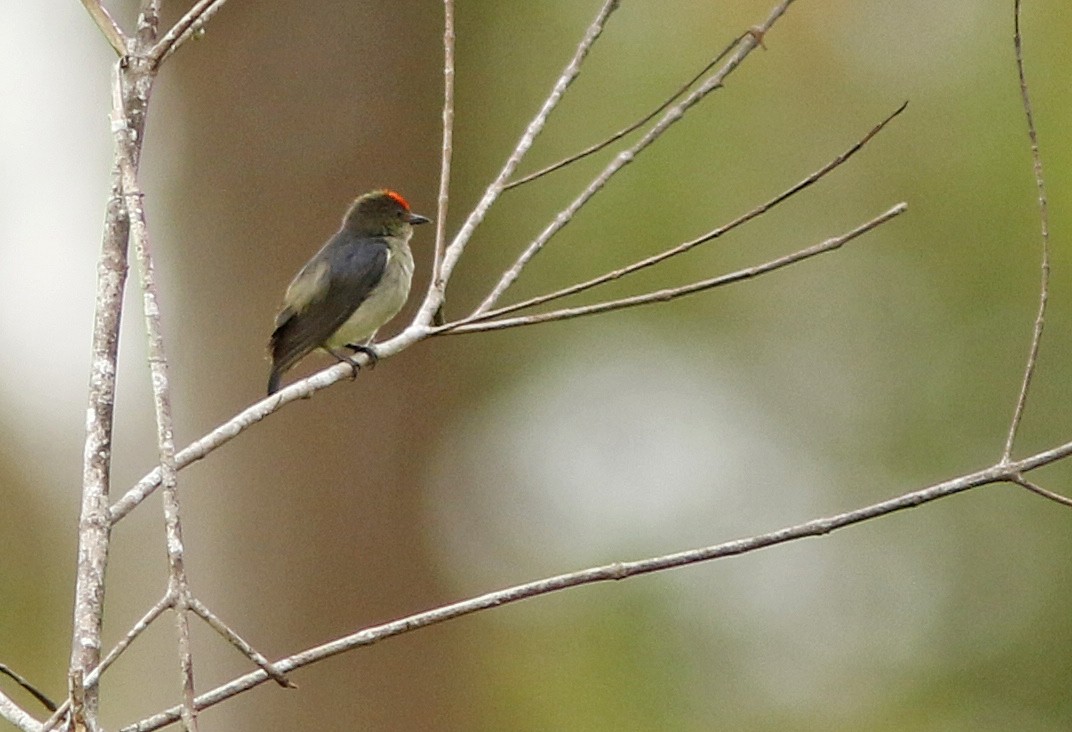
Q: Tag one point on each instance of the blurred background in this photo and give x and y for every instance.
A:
(473, 462)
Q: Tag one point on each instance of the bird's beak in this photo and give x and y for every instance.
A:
(418, 219)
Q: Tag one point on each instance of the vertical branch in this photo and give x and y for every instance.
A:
(1044, 219)
(131, 85)
(178, 587)
(437, 283)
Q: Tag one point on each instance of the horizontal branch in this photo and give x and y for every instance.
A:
(1001, 472)
(673, 293)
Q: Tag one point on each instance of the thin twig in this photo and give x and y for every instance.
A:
(672, 115)
(240, 643)
(437, 282)
(675, 292)
(1035, 488)
(1044, 221)
(195, 19)
(177, 581)
(686, 246)
(33, 690)
(591, 149)
(434, 299)
(111, 30)
(617, 571)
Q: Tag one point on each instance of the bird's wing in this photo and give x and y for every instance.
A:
(312, 311)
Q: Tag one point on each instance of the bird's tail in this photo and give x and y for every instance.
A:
(273, 379)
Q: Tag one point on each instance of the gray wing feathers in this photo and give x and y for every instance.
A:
(351, 268)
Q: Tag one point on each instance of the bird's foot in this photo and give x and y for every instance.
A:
(369, 351)
(354, 365)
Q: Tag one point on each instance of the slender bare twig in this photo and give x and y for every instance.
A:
(675, 292)
(437, 283)
(178, 583)
(240, 643)
(747, 45)
(111, 30)
(999, 473)
(33, 690)
(686, 246)
(1044, 221)
(16, 715)
(188, 25)
(1035, 488)
(434, 299)
(591, 149)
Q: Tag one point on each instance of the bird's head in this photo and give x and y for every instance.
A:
(381, 213)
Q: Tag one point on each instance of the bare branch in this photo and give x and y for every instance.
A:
(437, 282)
(1035, 488)
(434, 299)
(301, 389)
(670, 294)
(148, 24)
(15, 714)
(94, 525)
(178, 585)
(675, 113)
(1044, 220)
(33, 690)
(240, 643)
(111, 30)
(686, 246)
(188, 25)
(617, 571)
(626, 130)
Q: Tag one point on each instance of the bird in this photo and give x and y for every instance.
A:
(358, 281)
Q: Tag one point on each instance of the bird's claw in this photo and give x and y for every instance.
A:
(369, 351)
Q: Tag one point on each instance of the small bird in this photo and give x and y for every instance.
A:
(357, 282)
